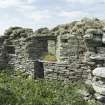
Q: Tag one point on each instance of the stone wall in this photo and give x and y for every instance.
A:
(21, 57)
(66, 42)
(66, 72)
(29, 49)
(95, 59)
(70, 47)
(3, 54)
(15, 49)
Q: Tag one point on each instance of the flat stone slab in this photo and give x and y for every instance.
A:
(99, 72)
(98, 57)
(99, 89)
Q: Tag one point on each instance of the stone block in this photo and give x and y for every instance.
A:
(99, 72)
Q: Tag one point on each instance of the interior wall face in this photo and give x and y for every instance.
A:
(36, 48)
(58, 48)
(52, 47)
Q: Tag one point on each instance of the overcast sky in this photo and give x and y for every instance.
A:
(40, 13)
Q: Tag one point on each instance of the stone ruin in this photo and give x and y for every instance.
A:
(95, 59)
(79, 49)
(22, 49)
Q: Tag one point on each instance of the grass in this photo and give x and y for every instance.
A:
(17, 90)
(49, 57)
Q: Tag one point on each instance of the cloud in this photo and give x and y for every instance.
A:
(21, 13)
(39, 15)
(2, 30)
(33, 13)
(25, 8)
(30, 1)
(14, 3)
(9, 3)
(74, 14)
(85, 1)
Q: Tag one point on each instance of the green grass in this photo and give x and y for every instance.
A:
(17, 90)
(49, 57)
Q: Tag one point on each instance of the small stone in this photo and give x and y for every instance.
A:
(100, 98)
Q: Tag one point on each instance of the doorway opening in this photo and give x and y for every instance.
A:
(38, 70)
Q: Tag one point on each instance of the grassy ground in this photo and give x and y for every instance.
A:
(17, 90)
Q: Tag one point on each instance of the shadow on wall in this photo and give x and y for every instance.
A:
(7, 53)
(10, 55)
(36, 47)
(38, 70)
(40, 45)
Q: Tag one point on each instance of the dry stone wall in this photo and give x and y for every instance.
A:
(3, 54)
(95, 59)
(65, 72)
(21, 48)
(15, 49)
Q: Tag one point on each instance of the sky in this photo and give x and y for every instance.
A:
(47, 13)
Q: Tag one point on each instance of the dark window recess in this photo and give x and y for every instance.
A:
(10, 50)
(65, 40)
